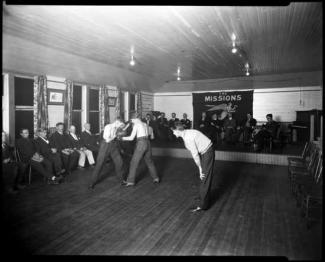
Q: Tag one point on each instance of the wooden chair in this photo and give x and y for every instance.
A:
(301, 160)
(312, 198)
(307, 179)
(298, 171)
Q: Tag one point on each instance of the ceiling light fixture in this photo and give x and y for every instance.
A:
(178, 73)
(247, 69)
(234, 49)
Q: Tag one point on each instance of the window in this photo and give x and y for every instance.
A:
(77, 108)
(93, 113)
(24, 102)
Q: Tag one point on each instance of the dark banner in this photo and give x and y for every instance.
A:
(239, 103)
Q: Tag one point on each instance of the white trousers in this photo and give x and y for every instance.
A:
(82, 157)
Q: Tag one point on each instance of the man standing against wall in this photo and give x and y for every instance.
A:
(202, 151)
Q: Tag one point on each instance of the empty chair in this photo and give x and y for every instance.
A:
(312, 197)
(301, 160)
(305, 170)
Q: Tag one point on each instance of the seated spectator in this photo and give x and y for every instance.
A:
(89, 140)
(171, 122)
(204, 124)
(268, 130)
(77, 146)
(29, 155)
(163, 128)
(9, 168)
(61, 142)
(230, 128)
(42, 146)
(186, 122)
(247, 127)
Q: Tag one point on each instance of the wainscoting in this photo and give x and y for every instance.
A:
(257, 158)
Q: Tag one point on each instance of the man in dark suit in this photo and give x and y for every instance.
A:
(247, 127)
(163, 128)
(268, 130)
(61, 142)
(9, 168)
(230, 128)
(89, 141)
(28, 155)
(42, 145)
(186, 122)
(171, 122)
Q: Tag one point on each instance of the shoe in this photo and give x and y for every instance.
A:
(81, 167)
(156, 180)
(62, 171)
(197, 209)
(92, 166)
(123, 183)
(52, 182)
(91, 187)
(127, 184)
(12, 191)
(21, 186)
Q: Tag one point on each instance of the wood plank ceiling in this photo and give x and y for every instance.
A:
(198, 39)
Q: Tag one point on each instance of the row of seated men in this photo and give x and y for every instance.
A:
(53, 157)
(230, 130)
(161, 127)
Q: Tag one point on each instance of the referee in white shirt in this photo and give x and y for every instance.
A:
(142, 150)
(202, 151)
(109, 148)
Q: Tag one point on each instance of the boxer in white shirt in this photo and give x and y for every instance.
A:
(142, 150)
(202, 151)
(109, 148)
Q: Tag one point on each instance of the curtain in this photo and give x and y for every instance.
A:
(139, 103)
(117, 106)
(68, 103)
(103, 106)
(41, 119)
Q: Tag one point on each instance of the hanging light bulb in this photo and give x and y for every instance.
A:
(178, 73)
(234, 49)
(132, 62)
(247, 73)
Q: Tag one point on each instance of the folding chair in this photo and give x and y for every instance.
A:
(301, 160)
(312, 197)
(294, 171)
(306, 180)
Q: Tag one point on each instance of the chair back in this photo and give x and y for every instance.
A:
(310, 146)
(319, 171)
(304, 152)
(312, 159)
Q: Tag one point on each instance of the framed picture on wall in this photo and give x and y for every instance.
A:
(55, 97)
(111, 101)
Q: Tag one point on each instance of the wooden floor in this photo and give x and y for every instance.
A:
(253, 214)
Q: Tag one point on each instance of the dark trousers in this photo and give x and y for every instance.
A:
(10, 175)
(44, 167)
(142, 150)
(108, 150)
(207, 162)
(70, 161)
(55, 159)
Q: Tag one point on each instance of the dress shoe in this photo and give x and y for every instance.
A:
(12, 191)
(156, 180)
(123, 183)
(52, 182)
(81, 167)
(194, 210)
(21, 187)
(129, 184)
